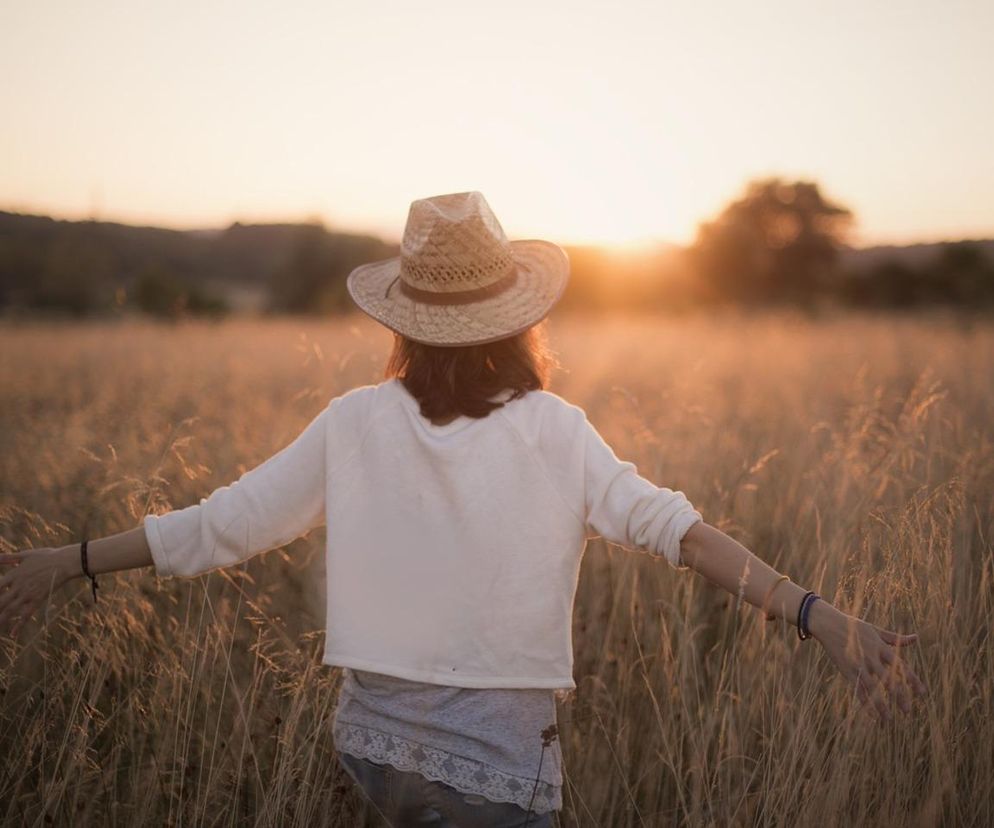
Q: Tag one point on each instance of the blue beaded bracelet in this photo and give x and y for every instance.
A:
(802, 615)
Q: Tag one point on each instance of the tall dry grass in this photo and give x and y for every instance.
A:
(854, 454)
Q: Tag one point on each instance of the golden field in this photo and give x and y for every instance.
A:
(854, 453)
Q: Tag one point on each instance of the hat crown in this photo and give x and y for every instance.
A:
(453, 243)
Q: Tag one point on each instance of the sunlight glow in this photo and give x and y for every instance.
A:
(580, 122)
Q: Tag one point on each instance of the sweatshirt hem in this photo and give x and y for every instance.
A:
(451, 678)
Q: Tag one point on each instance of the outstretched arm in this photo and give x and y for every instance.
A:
(268, 506)
(27, 578)
(865, 654)
(625, 508)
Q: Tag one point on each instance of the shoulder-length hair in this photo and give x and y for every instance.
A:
(452, 380)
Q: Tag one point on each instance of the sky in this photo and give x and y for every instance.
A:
(611, 122)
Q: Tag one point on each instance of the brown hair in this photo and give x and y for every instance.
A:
(451, 380)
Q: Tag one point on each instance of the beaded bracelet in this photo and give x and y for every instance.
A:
(802, 614)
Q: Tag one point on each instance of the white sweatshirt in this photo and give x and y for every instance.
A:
(452, 551)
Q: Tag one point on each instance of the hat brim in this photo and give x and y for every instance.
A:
(543, 271)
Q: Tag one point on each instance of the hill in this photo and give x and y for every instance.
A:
(94, 266)
(85, 265)
(915, 256)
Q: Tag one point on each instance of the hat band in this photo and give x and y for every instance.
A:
(457, 297)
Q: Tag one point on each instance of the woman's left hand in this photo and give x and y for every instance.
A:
(869, 656)
(27, 578)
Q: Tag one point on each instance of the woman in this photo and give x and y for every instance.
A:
(459, 495)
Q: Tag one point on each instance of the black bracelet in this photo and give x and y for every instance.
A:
(86, 571)
(802, 628)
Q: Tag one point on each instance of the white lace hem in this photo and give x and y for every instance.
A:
(465, 775)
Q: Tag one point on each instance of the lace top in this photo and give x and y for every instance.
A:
(477, 740)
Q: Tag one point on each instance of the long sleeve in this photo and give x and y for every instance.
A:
(266, 507)
(626, 509)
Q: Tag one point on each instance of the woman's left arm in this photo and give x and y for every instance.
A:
(863, 653)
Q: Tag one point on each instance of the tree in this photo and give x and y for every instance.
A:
(961, 275)
(889, 283)
(958, 274)
(313, 279)
(159, 292)
(779, 242)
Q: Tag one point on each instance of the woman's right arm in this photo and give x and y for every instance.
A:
(266, 507)
(28, 577)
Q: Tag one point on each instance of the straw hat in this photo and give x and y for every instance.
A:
(458, 280)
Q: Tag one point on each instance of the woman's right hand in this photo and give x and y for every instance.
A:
(869, 657)
(27, 578)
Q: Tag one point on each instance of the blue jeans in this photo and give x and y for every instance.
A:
(405, 798)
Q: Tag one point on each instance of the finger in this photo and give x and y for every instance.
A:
(12, 611)
(889, 657)
(875, 689)
(6, 616)
(866, 706)
(871, 667)
(897, 639)
(862, 694)
(904, 696)
(9, 597)
(895, 682)
(897, 663)
(18, 623)
(917, 683)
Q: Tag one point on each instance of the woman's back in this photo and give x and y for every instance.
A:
(454, 550)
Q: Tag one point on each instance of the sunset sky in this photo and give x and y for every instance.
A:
(580, 122)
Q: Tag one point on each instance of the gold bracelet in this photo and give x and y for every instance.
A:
(769, 593)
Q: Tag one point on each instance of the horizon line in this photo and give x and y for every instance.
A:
(635, 244)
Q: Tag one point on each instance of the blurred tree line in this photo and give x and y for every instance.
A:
(785, 243)
(779, 242)
(89, 267)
